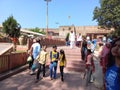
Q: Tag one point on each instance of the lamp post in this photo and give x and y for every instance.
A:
(57, 24)
(47, 17)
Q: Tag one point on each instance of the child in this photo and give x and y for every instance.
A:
(90, 67)
(41, 61)
(54, 55)
(62, 63)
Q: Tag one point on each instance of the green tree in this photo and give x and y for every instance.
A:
(12, 29)
(108, 14)
(37, 30)
(67, 37)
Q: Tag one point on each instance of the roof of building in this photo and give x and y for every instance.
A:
(30, 32)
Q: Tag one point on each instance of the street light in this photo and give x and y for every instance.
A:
(47, 17)
(57, 23)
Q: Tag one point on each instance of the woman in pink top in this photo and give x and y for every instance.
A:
(104, 55)
(104, 59)
(90, 67)
(89, 60)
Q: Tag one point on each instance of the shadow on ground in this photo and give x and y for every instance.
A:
(24, 81)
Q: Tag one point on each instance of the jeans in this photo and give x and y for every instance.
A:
(40, 69)
(53, 70)
(61, 71)
(83, 52)
(88, 74)
(35, 65)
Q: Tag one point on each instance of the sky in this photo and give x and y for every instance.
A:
(32, 13)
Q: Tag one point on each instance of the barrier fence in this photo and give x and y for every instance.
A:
(11, 61)
(47, 41)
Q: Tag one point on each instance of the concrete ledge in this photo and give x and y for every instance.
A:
(6, 50)
(12, 72)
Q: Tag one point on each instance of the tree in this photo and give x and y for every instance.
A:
(12, 29)
(37, 30)
(67, 37)
(108, 14)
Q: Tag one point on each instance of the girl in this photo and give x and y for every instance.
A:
(112, 75)
(62, 63)
(104, 59)
(104, 56)
(90, 67)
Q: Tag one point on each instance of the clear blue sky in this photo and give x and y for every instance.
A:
(32, 13)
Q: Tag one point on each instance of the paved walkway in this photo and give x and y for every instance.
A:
(73, 76)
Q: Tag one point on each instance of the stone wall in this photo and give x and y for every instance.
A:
(84, 30)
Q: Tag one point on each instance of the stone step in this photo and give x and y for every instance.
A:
(78, 66)
(75, 69)
(73, 59)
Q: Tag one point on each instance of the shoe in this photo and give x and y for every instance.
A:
(51, 78)
(43, 77)
(83, 76)
(32, 73)
(54, 78)
(91, 81)
(36, 81)
(62, 79)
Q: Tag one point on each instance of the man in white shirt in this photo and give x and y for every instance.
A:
(72, 39)
(79, 40)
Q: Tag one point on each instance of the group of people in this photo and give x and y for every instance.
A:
(74, 40)
(109, 54)
(39, 57)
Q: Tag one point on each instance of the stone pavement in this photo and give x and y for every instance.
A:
(73, 74)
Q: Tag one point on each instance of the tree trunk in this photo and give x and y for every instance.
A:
(14, 41)
(14, 46)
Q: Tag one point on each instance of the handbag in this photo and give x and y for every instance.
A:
(29, 59)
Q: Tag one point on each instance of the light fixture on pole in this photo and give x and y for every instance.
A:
(47, 17)
(57, 23)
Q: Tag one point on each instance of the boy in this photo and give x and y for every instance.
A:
(41, 61)
(54, 55)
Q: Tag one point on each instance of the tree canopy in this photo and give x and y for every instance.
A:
(108, 14)
(11, 27)
(37, 30)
